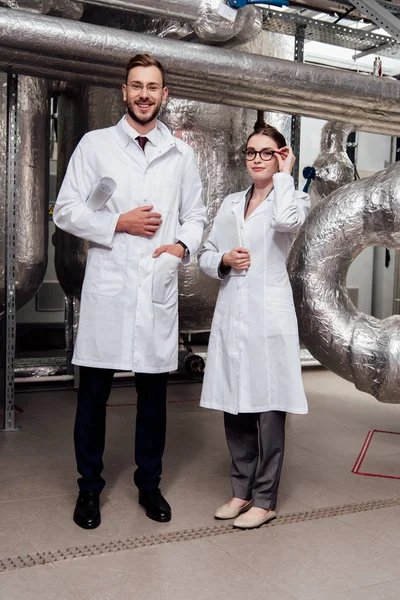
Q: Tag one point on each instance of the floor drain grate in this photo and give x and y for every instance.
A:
(44, 558)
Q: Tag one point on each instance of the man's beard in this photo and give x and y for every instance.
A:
(145, 120)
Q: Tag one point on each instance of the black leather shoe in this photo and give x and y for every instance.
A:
(87, 510)
(157, 508)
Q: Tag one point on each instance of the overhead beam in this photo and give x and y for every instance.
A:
(379, 15)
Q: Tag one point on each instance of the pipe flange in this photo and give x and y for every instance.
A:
(194, 364)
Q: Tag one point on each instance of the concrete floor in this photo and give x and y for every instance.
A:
(326, 555)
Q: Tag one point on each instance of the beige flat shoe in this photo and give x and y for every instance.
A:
(249, 521)
(228, 512)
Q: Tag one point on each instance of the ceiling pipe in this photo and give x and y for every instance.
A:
(203, 15)
(76, 51)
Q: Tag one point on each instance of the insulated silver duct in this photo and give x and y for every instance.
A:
(333, 167)
(94, 54)
(60, 8)
(203, 15)
(37, 6)
(70, 251)
(356, 346)
(31, 210)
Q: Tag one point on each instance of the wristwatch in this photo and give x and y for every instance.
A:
(185, 248)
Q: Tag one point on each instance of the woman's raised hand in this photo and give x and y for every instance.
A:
(286, 159)
(238, 258)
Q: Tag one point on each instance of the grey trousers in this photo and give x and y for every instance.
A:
(256, 442)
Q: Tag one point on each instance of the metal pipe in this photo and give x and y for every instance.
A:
(69, 9)
(40, 378)
(358, 347)
(31, 210)
(333, 167)
(184, 10)
(195, 90)
(220, 76)
(203, 15)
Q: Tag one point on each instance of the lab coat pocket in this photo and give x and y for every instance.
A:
(164, 277)
(112, 265)
(279, 311)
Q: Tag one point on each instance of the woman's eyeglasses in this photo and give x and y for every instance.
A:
(265, 154)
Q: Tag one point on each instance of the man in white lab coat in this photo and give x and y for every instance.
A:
(153, 221)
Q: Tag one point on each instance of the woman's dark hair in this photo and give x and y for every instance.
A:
(262, 127)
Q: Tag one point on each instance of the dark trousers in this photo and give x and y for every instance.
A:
(90, 427)
(256, 442)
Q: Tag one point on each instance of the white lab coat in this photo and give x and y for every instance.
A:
(253, 359)
(129, 303)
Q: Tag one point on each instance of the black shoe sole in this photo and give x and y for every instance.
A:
(159, 519)
(156, 518)
(93, 525)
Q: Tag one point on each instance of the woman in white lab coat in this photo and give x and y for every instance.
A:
(253, 370)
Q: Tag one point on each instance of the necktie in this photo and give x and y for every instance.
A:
(142, 141)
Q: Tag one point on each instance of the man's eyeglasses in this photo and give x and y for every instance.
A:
(138, 88)
(265, 154)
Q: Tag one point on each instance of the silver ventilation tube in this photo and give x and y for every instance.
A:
(36, 6)
(31, 210)
(356, 346)
(333, 168)
(92, 54)
(59, 8)
(203, 16)
(70, 251)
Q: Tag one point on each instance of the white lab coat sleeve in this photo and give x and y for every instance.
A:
(210, 257)
(290, 208)
(192, 212)
(70, 212)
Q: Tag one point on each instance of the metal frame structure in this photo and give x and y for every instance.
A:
(296, 119)
(379, 15)
(365, 42)
(10, 253)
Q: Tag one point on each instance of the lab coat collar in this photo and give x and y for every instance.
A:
(160, 136)
(239, 204)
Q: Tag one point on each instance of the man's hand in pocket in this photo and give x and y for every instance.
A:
(175, 249)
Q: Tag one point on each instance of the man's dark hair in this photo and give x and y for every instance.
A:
(145, 60)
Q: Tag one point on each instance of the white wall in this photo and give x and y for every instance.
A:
(373, 153)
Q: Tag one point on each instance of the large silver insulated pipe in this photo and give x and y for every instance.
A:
(31, 208)
(203, 16)
(97, 55)
(333, 167)
(356, 346)
(70, 251)
(69, 9)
